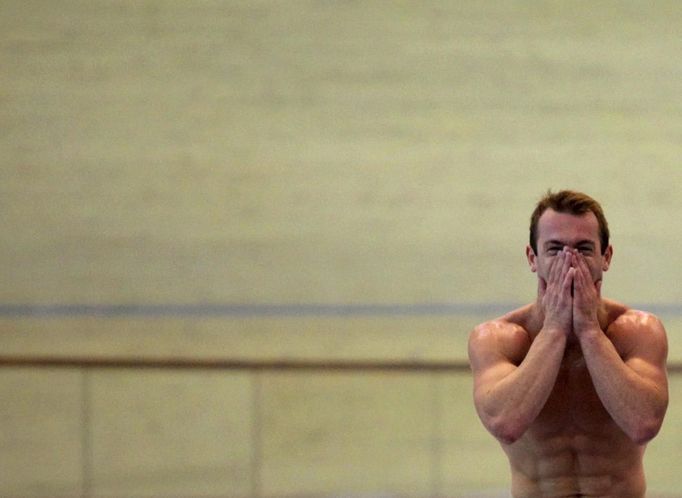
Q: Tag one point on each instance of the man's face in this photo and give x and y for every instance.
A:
(580, 233)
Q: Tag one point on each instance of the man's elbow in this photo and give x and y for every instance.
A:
(645, 430)
(506, 430)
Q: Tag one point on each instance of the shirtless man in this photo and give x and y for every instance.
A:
(572, 385)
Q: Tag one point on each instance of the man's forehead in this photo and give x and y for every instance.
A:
(554, 225)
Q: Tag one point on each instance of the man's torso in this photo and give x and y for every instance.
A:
(574, 448)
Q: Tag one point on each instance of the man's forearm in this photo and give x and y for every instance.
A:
(635, 403)
(510, 407)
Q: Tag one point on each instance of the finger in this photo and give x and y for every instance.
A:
(581, 264)
(557, 264)
(552, 273)
(584, 270)
(542, 286)
(569, 280)
(584, 288)
(566, 263)
(578, 283)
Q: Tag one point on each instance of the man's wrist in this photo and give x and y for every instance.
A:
(555, 330)
(589, 333)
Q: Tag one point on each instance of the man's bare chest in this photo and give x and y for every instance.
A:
(574, 404)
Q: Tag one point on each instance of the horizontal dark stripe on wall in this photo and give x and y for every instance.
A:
(132, 362)
(485, 309)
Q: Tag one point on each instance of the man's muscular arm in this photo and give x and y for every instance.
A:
(632, 383)
(508, 397)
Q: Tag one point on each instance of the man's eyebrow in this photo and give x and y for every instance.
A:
(585, 242)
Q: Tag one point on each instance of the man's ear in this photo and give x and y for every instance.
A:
(532, 259)
(608, 254)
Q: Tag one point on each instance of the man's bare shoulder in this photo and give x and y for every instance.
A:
(508, 326)
(631, 329)
(505, 335)
(623, 319)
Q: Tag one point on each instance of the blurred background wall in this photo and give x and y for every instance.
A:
(256, 234)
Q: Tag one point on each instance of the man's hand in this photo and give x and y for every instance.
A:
(555, 294)
(586, 298)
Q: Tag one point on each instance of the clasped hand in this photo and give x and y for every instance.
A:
(569, 297)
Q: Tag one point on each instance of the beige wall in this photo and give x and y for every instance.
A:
(193, 433)
(342, 153)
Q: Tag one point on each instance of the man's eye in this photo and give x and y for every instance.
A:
(585, 250)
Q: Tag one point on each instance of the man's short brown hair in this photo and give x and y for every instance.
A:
(569, 201)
